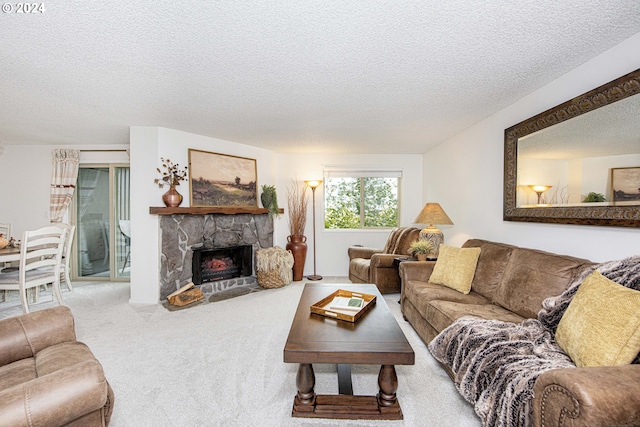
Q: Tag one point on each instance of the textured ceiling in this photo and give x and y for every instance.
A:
(368, 76)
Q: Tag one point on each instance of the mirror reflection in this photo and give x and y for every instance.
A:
(592, 158)
(578, 162)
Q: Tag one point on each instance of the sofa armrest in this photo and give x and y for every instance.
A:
(55, 399)
(382, 260)
(362, 252)
(607, 395)
(384, 273)
(416, 270)
(24, 336)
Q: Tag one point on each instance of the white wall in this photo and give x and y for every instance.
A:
(465, 173)
(24, 200)
(331, 245)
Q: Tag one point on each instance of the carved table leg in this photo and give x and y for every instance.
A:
(305, 380)
(388, 382)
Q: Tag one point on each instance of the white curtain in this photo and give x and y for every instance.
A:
(63, 181)
(122, 192)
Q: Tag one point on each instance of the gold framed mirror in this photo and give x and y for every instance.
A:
(557, 158)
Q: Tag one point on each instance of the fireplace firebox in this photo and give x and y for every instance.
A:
(212, 264)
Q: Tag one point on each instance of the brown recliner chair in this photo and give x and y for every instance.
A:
(369, 265)
(47, 378)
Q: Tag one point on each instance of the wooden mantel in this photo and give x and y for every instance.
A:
(200, 210)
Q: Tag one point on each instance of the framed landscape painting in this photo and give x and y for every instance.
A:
(222, 180)
(625, 185)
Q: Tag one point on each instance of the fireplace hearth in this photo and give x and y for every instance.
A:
(213, 264)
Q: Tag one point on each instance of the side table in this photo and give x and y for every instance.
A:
(397, 261)
(396, 264)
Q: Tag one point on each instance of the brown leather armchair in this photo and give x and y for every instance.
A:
(47, 378)
(369, 265)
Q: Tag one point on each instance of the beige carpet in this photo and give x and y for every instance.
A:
(221, 363)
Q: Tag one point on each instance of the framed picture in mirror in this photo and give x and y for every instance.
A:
(625, 185)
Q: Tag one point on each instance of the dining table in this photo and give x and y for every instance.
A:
(9, 254)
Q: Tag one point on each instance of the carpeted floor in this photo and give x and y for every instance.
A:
(221, 363)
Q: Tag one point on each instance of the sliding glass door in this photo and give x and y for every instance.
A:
(102, 219)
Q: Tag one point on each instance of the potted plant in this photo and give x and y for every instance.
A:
(594, 197)
(296, 241)
(421, 249)
(171, 175)
(269, 200)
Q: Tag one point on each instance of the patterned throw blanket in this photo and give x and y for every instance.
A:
(496, 364)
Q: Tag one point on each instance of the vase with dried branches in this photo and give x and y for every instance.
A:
(297, 241)
(171, 175)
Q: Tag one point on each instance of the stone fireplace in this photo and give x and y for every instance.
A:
(181, 234)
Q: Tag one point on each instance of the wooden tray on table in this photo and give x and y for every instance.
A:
(324, 306)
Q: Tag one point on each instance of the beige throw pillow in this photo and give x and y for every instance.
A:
(601, 326)
(455, 268)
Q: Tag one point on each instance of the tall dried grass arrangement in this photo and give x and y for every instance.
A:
(297, 203)
(559, 196)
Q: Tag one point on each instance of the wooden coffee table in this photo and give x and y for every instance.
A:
(374, 339)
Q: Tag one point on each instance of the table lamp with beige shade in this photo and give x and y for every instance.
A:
(432, 213)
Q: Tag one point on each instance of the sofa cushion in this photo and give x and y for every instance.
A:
(17, 373)
(455, 268)
(601, 326)
(493, 260)
(422, 293)
(441, 314)
(532, 276)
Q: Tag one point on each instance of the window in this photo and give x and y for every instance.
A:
(361, 199)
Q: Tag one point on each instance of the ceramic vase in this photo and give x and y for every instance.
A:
(266, 199)
(172, 198)
(297, 245)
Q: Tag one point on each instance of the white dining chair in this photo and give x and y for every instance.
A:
(5, 230)
(40, 260)
(125, 229)
(65, 265)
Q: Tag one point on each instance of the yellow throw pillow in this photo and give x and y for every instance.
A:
(455, 268)
(601, 326)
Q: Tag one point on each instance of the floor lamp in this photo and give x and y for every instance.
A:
(539, 189)
(313, 184)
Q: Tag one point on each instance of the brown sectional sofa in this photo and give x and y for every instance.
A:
(47, 378)
(510, 284)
